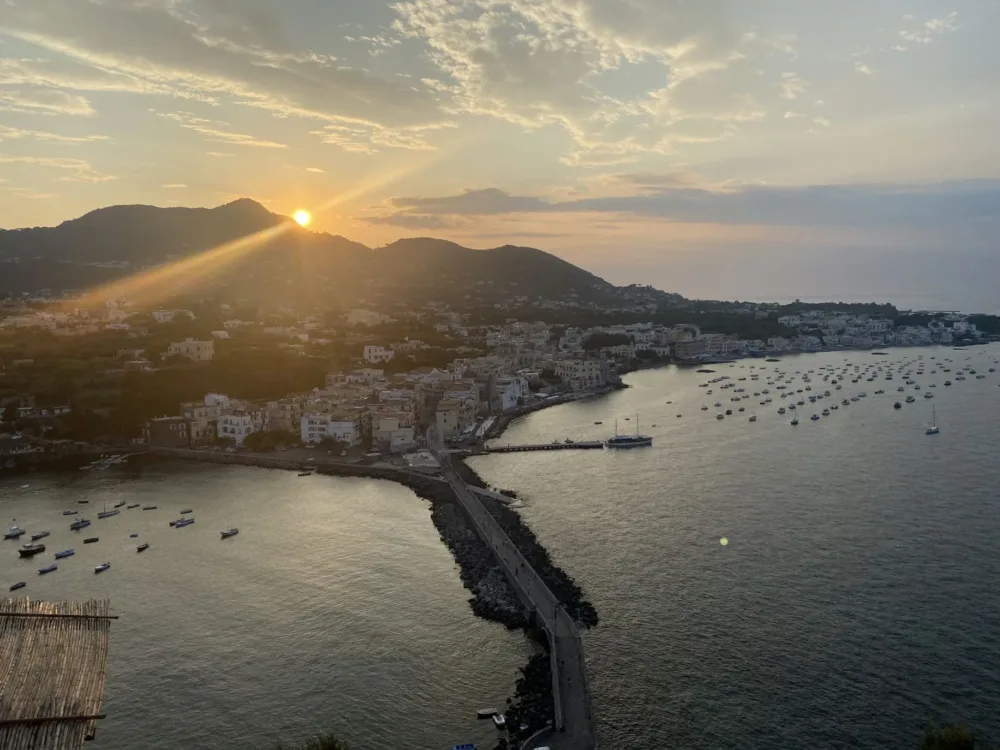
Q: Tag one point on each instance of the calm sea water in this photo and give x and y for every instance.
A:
(858, 598)
(335, 609)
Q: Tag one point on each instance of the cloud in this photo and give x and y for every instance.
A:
(885, 206)
(43, 102)
(211, 49)
(215, 132)
(364, 139)
(929, 30)
(862, 68)
(11, 134)
(174, 185)
(792, 85)
(316, 170)
(81, 169)
(220, 154)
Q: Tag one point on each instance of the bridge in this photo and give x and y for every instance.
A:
(573, 719)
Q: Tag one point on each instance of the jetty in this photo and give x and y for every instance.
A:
(581, 445)
(53, 663)
(573, 722)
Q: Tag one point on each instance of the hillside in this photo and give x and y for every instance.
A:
(289, 265)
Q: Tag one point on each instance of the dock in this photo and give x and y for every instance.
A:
(581, 445)
(573, 721)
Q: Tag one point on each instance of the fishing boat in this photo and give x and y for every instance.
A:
(79, 524)
(186, 511)
(118, 505)
(132, 505)
(795, 422)
(14, 532)
(47, 569)
(108, 513)
(65, 553)
(486, 713)
(182, 522)
(28, 550)
(90, 540)
(132, 536)
(102, 567)
(230, 532)
(753, 418)
(150, 507)
(69, 512)
(39, 535)
(18, 585)
(142, 547)
(933, 429)
(305, 473)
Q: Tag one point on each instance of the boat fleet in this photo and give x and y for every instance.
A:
(36, 547)
(796, 390)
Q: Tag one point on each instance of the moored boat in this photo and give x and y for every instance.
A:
(108, 513)
(69, 512)
(500, 721)
(14, 532)
(39, 535)
(131, 505)
(486, 713)
(90, 540)
(47, 569)
(29, 550)
(182, 522)
(65, 553)
(18, 585)
(118, 505)
(186, 511)
(79, 524)
(143, 546)
(102, 567)
(230, 532)
(150, 507)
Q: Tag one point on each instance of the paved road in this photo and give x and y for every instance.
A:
(567, 655)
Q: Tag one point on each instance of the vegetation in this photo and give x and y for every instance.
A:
(988, 324)
(268, 440)
(600, 340)
(320, 742)
(951, 737)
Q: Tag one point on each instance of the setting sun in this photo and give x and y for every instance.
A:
(302, 217)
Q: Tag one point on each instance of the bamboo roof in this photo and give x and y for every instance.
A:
(53, 663)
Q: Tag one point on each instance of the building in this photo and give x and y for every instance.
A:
(238, 423)
(198, 351)
(347, 427)
(453, 418)
(285, 414)
(393, 437)
(203, 418)
(582, 374)
(168, 432)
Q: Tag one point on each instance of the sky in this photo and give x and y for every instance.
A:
(720, 148)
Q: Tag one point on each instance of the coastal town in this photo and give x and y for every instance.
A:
(375, 382)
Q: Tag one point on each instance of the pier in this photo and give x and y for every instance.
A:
(573, 721)
(581, 445)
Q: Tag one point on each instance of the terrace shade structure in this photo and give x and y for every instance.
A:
(53, 664)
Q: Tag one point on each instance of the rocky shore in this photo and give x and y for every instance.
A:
(531, 706)
(559, 582)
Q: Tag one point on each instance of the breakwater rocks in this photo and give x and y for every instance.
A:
(531, 707)
(559, 582)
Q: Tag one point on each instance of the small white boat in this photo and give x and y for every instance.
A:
(500, 721)
(486, 713)
(230, 532)
(933, 429)
(14, 532)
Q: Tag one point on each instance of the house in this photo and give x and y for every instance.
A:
(582, 374)
(394, 437)
(378, 354)
(203, 418)
(453, 417)
(238, 423)
(198, 351)
(285, 414)
(347, 427)
(168, 432)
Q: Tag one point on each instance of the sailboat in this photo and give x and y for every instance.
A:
(629, 441)
(108, 513)
(933, 429)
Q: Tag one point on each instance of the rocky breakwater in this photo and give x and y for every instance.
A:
(559, 582)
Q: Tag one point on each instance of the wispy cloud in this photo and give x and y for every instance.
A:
(316, 170)
(81, 169)
(10, 134)
(214, 131)
(863, 68)
(931, 29)
(174, 185)
(792, 85)
(43, 101)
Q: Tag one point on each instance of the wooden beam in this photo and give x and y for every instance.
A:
(59, 614)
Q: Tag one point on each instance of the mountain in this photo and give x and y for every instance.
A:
(280, 262)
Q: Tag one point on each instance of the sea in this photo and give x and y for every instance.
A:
(760, 585)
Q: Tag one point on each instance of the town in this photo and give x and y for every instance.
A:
(364, 382)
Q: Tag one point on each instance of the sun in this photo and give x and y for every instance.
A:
(302, 218)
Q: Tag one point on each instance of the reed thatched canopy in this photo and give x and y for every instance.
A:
(53, 663)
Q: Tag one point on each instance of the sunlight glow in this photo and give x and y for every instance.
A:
(302, 218)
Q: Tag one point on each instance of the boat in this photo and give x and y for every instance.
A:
(928, 395)
(753, 418)
(90, 540)
(143, 546)
(65, 553)
(814, 417)
(186, 511)
(826, 412)
(132, 536)
(79, 524)
(500, 721)
(781, 410)
(629, 441)
(182, 522)
(108, 513)
(14, 532)
(720, 416)
(47, 569)
(118, 505)
(897, 405)
(69, 512)
(933, 429)
(232, 532)
(39, 535)
(483, 713)
(28, 550)
(305, 473)
(150, 507)
(102, 567)
(18, 585)
(794, 422)
(133, 505)
(910, 399)
(83, 502)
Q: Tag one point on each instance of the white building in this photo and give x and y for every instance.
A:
(347, 428)
(582, 374)
(394, 436)
(239, 423)
(199, 351)
(378, 354)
